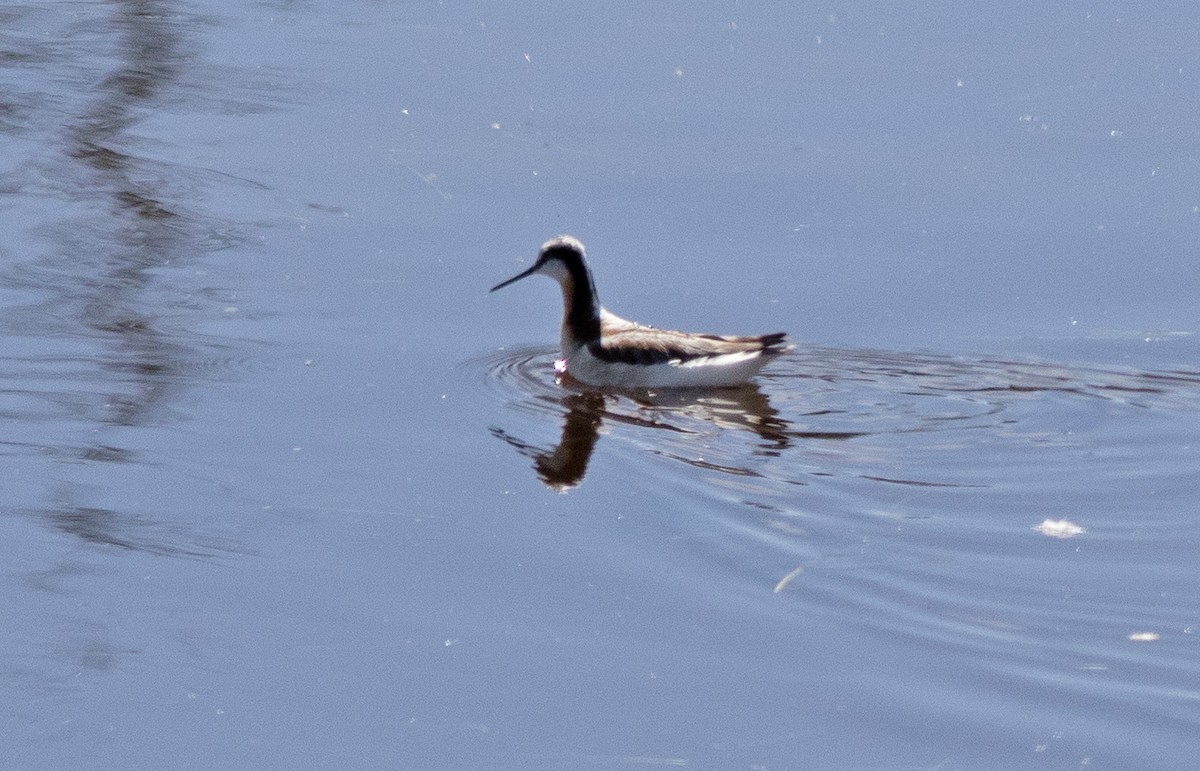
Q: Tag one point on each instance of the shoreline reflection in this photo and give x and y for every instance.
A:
(110, 283)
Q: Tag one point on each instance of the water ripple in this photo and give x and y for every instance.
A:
(905, 495)
(849, 406)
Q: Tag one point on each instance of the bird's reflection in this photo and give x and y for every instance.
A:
(564, 465)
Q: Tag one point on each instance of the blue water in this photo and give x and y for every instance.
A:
(284, 486)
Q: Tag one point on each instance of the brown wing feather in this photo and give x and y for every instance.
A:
(633, 343)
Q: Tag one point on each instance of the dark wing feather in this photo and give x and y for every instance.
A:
(635, 344)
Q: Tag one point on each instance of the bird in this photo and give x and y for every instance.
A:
(602, 349)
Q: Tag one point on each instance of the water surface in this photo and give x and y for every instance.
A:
(285, 486)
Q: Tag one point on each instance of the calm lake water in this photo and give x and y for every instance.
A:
(285, 487)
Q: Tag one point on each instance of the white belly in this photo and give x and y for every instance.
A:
(729, 369)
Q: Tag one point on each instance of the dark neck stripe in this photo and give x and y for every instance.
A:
(583, 316)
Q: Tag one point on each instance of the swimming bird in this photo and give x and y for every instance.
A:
(600, 348)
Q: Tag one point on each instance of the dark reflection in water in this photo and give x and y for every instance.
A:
(130, 531)
(827, 395)
(683, 411)
(564, 466)
(145, 233)
(100, 286)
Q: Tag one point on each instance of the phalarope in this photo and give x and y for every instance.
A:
(602, 349)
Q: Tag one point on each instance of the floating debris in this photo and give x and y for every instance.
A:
(1059, 528)
(783, 582)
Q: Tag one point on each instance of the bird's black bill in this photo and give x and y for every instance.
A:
(515, 278)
